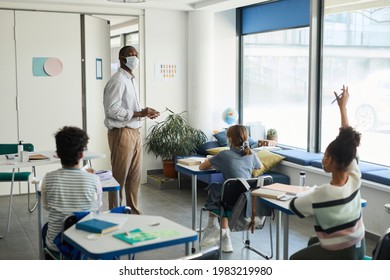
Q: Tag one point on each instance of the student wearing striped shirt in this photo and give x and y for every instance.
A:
(336, 206)
(68, 189)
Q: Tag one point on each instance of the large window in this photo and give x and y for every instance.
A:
(356, 52)
(275, 83)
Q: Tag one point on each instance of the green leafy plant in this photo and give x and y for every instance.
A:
(173, 137)
(272, 134)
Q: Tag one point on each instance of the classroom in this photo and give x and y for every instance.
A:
(267, 64)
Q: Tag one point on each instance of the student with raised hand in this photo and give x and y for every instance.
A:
(336, 206)
(69, 189)
(237, 162)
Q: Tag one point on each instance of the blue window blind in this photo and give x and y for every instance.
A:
(282, 14)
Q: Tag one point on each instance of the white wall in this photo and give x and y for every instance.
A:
(165, 42)
(8, 116)
(225, 66)
(97, 30)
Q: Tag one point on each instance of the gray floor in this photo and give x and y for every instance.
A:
(174, 204)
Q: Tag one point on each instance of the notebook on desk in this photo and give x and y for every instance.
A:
(37, 157)
(287, 189)
(190, 161)
(281, 191)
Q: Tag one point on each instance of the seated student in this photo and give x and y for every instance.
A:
(68, 189)
(336, 206)
(238, 162)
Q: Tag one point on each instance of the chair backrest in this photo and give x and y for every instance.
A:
(382, 249)
(233, 188)
(6, 149)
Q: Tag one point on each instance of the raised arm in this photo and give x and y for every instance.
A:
(342, 101)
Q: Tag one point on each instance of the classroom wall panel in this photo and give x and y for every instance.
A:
(8, 123)
(97, 73)
(8, 113)
(49, 98)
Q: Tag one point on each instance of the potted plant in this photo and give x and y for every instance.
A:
(272, 134)
(171, 138)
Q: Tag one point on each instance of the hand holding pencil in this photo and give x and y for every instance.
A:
(342, 97)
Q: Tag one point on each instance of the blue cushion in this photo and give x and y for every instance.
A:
(316, 163)
(299, 156)
(367, 167)
(278, 177)
(378, 176)
(221, 138)
(252, 142)
(202, 149)
(363, 166)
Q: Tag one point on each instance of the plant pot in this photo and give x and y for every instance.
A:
(273, 138)
(169, 169)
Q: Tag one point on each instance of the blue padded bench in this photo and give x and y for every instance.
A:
(299, 156)
(378, 176)
(363, 166)
(370, 171)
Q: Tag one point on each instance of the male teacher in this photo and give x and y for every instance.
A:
(123, 120)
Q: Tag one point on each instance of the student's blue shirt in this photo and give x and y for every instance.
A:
(232, 164)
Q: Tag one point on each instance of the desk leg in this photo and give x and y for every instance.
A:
(285, 236)
(117, 198)
(194, 205)
(9, 205)
(40, 225)
(278, 228)
(188, 249)
(179, 180)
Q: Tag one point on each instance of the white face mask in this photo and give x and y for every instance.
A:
(132, 62)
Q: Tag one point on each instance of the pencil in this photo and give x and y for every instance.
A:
(338, 96)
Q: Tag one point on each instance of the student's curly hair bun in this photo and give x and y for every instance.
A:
(349, 136)
(344, 148)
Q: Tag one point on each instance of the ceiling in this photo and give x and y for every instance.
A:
(183, 5)
(121, 13)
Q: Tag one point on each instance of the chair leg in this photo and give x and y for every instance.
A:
(220, 232)
(36, 194)
(247, 243)
(28, 198)
(9, 209)
(200, 227)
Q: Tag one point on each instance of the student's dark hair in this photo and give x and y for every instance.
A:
(70, 142)
(344, 148)
(239, 135)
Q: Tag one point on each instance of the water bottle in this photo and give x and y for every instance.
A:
(302, 178)
(20, 151)
(95, 206)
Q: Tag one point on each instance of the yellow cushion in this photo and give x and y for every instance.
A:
(268, 161)
(214, 151)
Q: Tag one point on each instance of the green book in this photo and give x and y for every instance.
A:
(134, 236)
(137, 235)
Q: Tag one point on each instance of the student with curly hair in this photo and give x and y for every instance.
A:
(68, 189)
(336, 206)
(237, 162)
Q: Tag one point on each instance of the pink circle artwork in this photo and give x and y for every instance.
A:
(53, 66)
